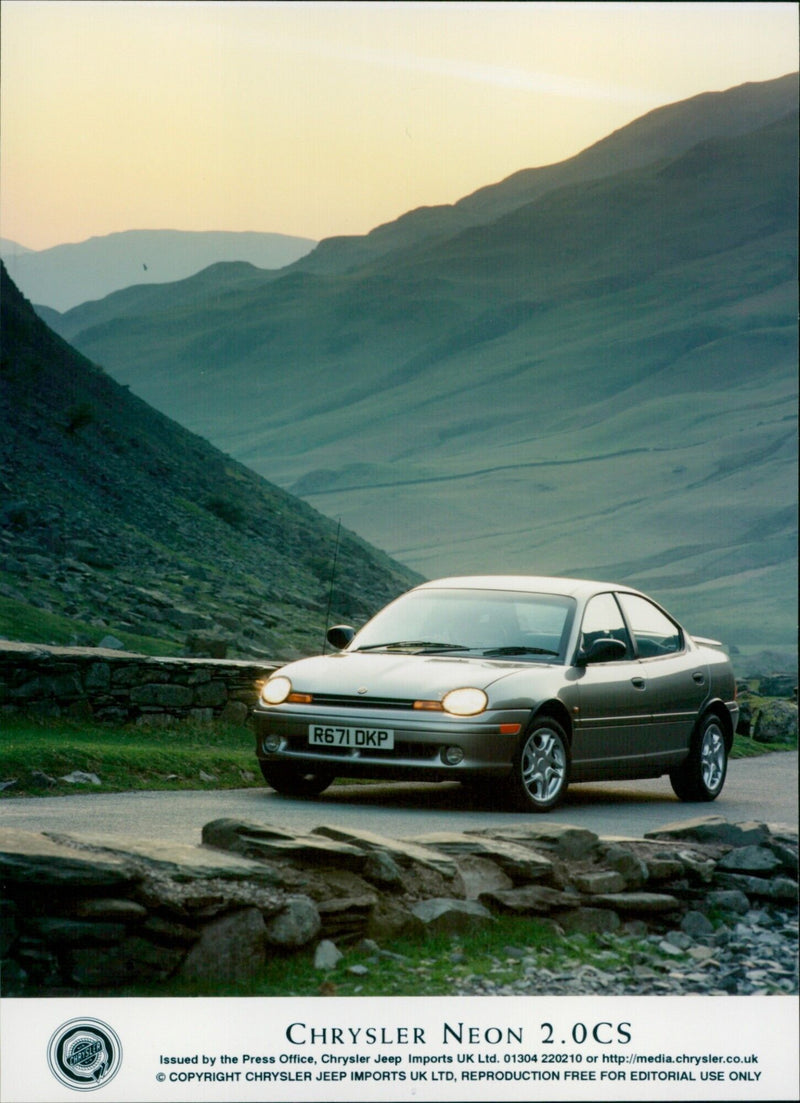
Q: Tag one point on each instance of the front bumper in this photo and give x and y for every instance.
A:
(419, 741)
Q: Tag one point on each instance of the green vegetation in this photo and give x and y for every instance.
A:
(153, 757)
(21, 621)
(125, 758)
(436, 965)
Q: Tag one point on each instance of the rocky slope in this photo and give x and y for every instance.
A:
(115, 520)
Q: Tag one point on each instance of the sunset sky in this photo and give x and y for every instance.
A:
(330, 118)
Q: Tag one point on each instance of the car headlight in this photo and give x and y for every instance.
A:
(465, 702)
(276, 690)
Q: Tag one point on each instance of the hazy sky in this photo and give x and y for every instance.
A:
(327, 118)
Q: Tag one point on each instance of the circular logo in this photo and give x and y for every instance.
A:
(84, 1054)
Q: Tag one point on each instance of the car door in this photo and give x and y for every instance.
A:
(612, 718)
(676, 684)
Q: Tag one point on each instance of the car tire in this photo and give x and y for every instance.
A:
(540, 772)
(701, 775)
(294, 782)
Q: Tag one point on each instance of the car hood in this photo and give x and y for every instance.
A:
(400, 677)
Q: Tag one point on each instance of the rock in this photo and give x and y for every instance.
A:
(262, 841)
(782, 888)
(88, 912)
(382, 870)
(111, 643)
(528, 900)
(479, 875)
(670, 948)
(452, 916)
(28, 858)
(181, 861)
(389, 919)
(712, 829)
(775, 722)
(327, 956)
(405, 851)
(633, 869)
(702, 869)
(78, 777)
(563, 840)
(728, 900)
(519, 862)
(230, 950)
(298, 924)
(664, 869)
(116, 909)
(638, 902)
(696, 925)
(750, 859)
(114, 966)
(600, 881)
(778, 685)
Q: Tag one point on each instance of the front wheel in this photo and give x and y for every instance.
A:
(540, 773)
(701, 775)
(294, 782)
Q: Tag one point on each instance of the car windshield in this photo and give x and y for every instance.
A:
(492, 623)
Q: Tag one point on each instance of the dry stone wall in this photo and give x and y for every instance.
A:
(85, 914)
(111, 685)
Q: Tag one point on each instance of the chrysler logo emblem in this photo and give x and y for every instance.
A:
(361, 689)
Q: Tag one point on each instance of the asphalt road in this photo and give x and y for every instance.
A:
(762, 789)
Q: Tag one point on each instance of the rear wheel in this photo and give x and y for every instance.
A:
(293, 781)
(540, 773)
(701, 776)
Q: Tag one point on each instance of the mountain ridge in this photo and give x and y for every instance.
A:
(67, 275)
(598, 381)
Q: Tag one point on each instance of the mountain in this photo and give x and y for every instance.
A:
(587, 369)
(66, 275)
(116, 520)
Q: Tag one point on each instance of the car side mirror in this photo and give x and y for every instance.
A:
(604, 650)
(340, 635)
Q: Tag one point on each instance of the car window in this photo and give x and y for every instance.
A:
(603, 620)
(654, 632)
(515, 623)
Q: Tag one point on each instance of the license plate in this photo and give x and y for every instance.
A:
(375, 739)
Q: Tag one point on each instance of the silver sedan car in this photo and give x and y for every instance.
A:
(522, 682)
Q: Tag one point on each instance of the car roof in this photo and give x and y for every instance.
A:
(529, 584)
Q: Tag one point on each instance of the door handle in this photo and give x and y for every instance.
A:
(638, 683)
(698, 677)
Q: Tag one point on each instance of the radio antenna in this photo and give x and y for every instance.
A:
(330, 587)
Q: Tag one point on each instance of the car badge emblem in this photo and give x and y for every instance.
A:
(361, 689)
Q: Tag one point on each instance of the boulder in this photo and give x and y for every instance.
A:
(230, 950)
(451, 916)
(775, 722)
(520, 863)
(296, 925)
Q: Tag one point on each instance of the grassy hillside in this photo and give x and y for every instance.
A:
(588, 370)
(114, 519)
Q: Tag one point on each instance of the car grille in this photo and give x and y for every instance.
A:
(402, 749)
(338, 700)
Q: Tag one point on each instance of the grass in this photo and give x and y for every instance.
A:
(434, 965)
(21, 621)
(183, 756)
(125, 757)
